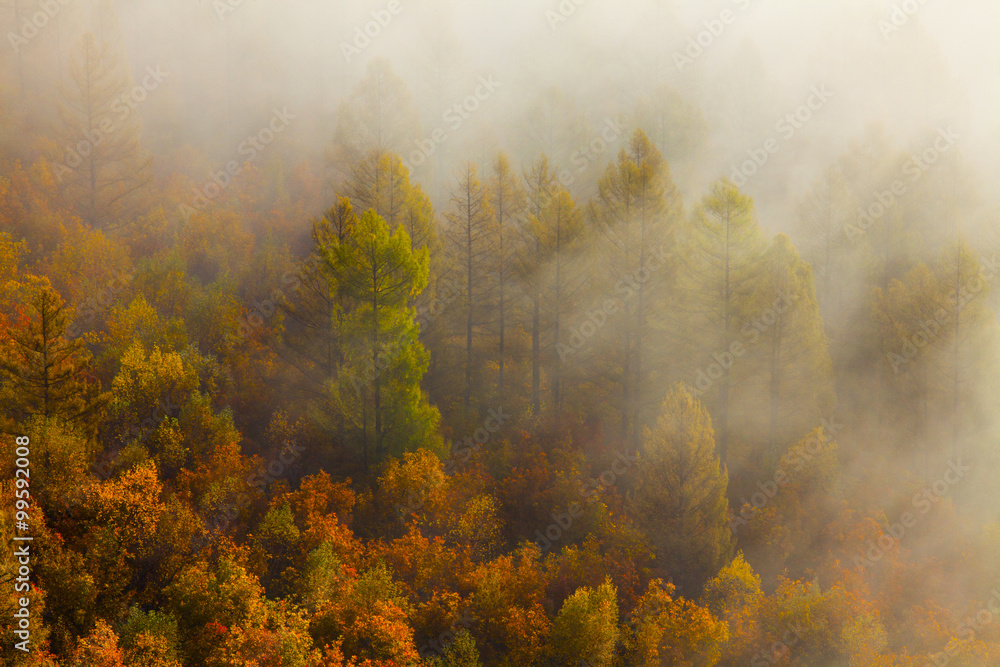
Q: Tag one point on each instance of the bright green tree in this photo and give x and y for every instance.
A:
(379, 389)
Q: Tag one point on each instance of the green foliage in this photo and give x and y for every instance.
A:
(586, 628)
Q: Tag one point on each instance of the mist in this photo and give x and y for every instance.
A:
(548, 332)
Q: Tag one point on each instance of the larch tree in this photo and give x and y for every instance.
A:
(636, 210)
(470, 243)
(379, 181)
(795, 362)
(313, 310)
(724, 268)
(680, 500)
(560, 229)
(50, 375)
(104, 169)
(507, 202)
(540, 183)
(378, 273)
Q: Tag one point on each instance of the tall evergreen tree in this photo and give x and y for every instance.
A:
(724, 268)
(104, 169)
(379, 389)
(637, 209)
(470, 245)
(680, 500)
(507, 202)
(48, 375)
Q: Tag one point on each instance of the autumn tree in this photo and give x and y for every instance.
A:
(723, 268)
(469, 240)
(540, 182)
(559, 229)
(792, 350)
(586, 629)
(507, 202)
(637, 209)
(380, 182)
(104, 169)
(313, 308)
(681, 497)
(49, 374)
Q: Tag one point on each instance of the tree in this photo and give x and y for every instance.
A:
(681, 499)
(380, 392)
(793, 351)
(378, 117)
(541, 183)
(559, 230)
(735, 596)
(586, 629)
(380, 182)
(665, 628)
(104, 168)
(507, 202)
(723, 270)
(470, 242)
(636, 209)
(314, 311)
(50, 376)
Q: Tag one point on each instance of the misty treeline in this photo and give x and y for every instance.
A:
(385, 402)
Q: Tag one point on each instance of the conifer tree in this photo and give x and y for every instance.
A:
(48, 374)
(103, 168)
(379, 388)
(637, 209)
(681, 498)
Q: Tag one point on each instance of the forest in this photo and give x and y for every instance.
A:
(470, 334)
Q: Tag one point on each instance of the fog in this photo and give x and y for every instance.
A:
(867, 131)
